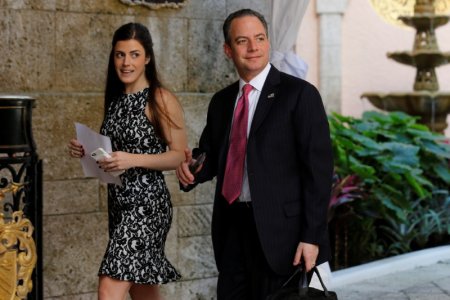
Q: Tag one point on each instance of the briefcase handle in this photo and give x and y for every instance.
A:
(303, 282)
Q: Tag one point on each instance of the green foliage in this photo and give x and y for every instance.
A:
(402, 168)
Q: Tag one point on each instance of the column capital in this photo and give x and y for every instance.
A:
(331, 6)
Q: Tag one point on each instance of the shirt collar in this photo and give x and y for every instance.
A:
(257, 82)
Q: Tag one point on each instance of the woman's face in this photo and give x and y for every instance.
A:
(130, 61)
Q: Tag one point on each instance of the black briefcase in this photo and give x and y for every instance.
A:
(302, 291)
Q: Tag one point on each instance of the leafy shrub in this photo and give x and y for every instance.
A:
(391, 191)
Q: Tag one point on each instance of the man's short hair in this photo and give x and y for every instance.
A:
(238, 14)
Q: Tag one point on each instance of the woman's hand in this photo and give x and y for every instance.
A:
(76, 150)
(119, 161)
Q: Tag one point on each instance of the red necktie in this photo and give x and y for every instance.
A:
(234, 170)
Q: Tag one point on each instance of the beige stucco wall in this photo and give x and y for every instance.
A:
(366, 38)
(57, 51)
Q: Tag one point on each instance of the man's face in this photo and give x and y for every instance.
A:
(249, 46)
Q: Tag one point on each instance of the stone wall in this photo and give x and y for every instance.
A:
(57, 51)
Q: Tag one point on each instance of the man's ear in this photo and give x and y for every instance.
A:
(227, 50)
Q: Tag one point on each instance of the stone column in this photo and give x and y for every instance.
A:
(330, 44)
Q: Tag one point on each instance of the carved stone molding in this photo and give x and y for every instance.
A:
(156, 4)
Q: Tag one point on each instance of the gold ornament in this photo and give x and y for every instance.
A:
(13, 187)
(17, 252)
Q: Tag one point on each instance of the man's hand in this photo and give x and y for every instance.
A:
(309, 252)
(184, 175)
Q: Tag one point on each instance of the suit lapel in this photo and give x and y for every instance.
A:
(228, 110)
(267, 97)
(229, 106)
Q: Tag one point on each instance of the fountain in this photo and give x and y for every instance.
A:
(425, 101)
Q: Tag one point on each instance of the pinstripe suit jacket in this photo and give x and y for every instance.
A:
(289, 166)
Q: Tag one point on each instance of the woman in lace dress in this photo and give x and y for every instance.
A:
(146, 127)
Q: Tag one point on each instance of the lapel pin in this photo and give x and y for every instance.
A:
(271, 96)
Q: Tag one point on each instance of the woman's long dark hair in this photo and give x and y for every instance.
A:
(115, 87)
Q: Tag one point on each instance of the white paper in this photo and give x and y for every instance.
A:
(92, 140)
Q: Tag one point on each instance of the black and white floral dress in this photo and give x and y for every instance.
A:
(140, 212)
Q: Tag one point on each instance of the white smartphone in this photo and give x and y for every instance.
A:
(99, 154)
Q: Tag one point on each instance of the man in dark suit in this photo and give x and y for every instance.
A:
(281, 167)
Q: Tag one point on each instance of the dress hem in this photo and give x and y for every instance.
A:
(142, 282)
